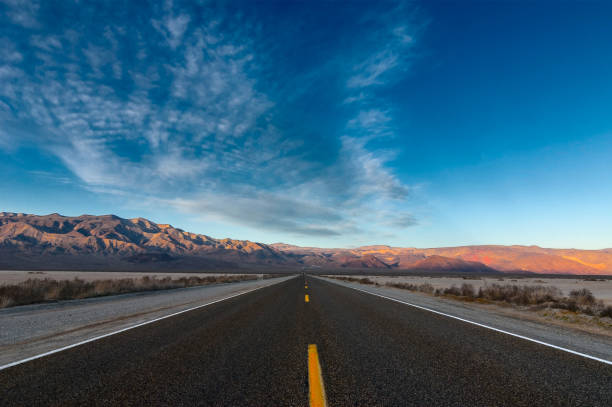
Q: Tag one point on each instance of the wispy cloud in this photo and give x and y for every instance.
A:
(370, 123)
(172, 27)
(269, 211)
(371, 70)
(51, 177)
(393, 51)
(6, 140)
(179, 109)
(388, 55)
(372, 178)
(22, 12)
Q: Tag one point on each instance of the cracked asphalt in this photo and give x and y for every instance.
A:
(251, 350)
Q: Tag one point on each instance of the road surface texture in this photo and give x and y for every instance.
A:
(595, 345)
(30, 330)
(252, 350)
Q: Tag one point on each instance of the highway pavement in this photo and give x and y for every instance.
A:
(304, 342)
(35, 329)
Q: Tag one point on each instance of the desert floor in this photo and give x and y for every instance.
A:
(8, 277)
(602, 288)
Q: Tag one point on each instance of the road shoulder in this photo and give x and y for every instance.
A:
(588, 343)
(32, 330)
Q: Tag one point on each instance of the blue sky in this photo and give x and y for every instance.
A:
(315, 123)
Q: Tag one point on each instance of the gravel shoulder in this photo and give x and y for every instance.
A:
(30, 330)
(589, 343)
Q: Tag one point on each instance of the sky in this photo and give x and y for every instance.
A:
(330, 124)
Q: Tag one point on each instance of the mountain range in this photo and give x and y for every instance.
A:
(114, 243)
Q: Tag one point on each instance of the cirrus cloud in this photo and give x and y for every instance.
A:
(178, 107)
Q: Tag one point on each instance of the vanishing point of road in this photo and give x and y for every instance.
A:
(304, 342)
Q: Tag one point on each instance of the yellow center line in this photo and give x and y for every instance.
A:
(306, 299)
(315, 379)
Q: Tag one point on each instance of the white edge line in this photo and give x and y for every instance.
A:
(95, 338)
(483, 325)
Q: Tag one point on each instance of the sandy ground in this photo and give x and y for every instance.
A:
(9, 277)
(602, 290)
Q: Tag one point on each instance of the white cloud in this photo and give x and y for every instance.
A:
(22, 12)
(401, 32)
(48, 43)
(8, 72)
(176, 27)
(8, 52)
(172, 28)
(371, 70)
(378, 197)
(356, 98)
(371, 123)
(51, 177)
(175, 165)
(208, 145)
(199, 133)
(391, 52)
(273, 211)
(369, 173)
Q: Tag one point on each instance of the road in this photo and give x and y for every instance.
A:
(253, 350)
(30, 330)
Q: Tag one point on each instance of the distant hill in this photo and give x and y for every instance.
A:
(474, 258)
(110, 242)
(441, 263)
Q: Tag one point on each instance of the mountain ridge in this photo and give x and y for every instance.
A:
(119, 240)
(109, 241)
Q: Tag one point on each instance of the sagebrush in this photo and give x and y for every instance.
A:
(579, 300)
(40, 290)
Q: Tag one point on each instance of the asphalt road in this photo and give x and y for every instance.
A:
(30, 330)
(251, 350)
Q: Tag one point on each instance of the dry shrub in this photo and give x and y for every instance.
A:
(5, 301)
(40, 290)
(403, 286)
(581, 300)
(520, 295)
(347, 279)
(606, 312)
(452, 290)
(583, 296)
(467, 290)
(424, 288)
(540, 296)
